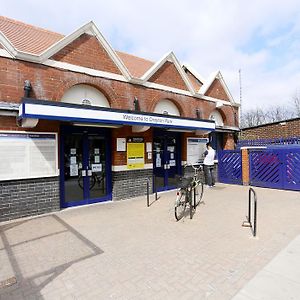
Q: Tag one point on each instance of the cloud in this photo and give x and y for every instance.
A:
(259, 37)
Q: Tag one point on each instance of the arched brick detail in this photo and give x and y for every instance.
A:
(67, 84)
(209, 108)
(156, 99)
(223, 115)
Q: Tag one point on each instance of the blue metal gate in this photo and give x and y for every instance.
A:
(230, 166)
(275, 168)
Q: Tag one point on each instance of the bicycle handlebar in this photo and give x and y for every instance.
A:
(195, 168)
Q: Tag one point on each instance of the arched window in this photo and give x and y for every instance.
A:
(84, 94)
(216, 116)
(166, 107)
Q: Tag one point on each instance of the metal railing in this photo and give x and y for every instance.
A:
(248, 223)
(265, 142)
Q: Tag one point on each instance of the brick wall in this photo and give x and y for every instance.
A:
(245, 167)
(168, 75)
(228, 141)
(275, 130)
(120, 158)
(128, 184)
(51, 84)
(95, 56)
(217, 91)
(28, 197)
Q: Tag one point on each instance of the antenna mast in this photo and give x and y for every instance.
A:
(240, 81)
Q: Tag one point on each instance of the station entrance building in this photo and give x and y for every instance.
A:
(82, 123)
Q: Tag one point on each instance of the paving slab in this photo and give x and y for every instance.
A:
(279, 279)
(126, 250)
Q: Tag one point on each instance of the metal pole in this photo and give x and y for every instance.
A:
(148, 180)
(254, 229)
(249, 207)
(154, 186)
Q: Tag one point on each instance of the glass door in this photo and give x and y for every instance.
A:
(159, 163)
(73, 164)
(171, 161)
(96, 167)
(85, 167)
(166, 160)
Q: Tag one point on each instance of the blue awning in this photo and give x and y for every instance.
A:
(49, 110)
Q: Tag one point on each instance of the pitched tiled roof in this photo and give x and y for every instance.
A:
(35, 40)
(136, 66)
(28, 38)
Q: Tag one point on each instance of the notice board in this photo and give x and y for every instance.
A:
(195, 149)
(135, 155)
(28, 155)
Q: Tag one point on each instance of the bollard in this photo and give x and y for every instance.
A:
(148, 185)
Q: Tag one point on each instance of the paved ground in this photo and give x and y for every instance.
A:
(124, 250)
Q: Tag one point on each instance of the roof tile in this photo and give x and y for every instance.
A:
(137, 66)
(28, 38)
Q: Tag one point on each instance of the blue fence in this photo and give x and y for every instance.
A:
(264, 142)
(230, 166)
(275, 168)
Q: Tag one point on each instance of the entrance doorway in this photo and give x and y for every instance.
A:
(166, 160)
(85, 166)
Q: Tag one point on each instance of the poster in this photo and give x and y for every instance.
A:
(96, 168)
(158, 161)
(135, 155)
(172, 163)
(73, 170)
(73, 160)
(195, 149)
(149, 147)
(121, 144)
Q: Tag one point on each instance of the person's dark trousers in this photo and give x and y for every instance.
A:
(208, 174)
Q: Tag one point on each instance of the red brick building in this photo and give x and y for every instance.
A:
(82, 123)
(276, 130)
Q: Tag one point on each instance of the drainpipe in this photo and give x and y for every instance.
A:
(27, 88)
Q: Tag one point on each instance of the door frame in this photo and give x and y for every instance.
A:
(68, 129)
(164, 134)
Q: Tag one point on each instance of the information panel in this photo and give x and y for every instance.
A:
(28, 155)
(195, 149)
(135, 155)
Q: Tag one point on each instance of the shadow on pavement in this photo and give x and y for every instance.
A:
(36, 251)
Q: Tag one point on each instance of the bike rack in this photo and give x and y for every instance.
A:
(148, 190)
(249, 223)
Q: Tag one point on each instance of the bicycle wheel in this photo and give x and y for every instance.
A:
(180, 205)
(92, 181)
(198, 193)
(80, 181)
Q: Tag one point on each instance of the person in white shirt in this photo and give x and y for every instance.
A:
(209, 165)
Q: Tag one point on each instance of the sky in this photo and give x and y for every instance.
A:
(259, 37)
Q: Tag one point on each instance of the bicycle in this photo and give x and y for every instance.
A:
(198, 185)
(187, 185)
(96, 177)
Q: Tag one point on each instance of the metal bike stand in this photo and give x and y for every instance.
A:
(248, 223)
(148, 190)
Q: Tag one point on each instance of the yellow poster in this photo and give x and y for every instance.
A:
(135, 155)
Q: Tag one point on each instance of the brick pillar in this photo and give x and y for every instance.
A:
(245, 166)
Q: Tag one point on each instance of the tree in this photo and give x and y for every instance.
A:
(259, 116)
(296, 104)
(275, 113)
